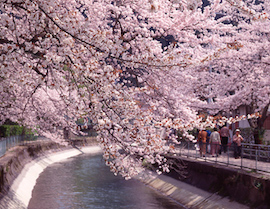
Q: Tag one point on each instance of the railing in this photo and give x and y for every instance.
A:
(256, 152)
(253, 157)
(12, 141)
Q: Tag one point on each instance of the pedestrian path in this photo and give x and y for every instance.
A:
(227, 159)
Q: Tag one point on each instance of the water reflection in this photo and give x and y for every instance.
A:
(85, 182)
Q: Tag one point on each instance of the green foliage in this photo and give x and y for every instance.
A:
(258, 185)
(14, 130)
(248, 134)
(261, 133)
(193, 132)
(80, 121)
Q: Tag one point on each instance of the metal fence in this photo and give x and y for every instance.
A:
(12, 141)
(253, 157)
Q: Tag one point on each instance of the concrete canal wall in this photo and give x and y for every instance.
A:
(206, 185)
(186, 195)
(246, 187)
(21, 167)
(12, 163)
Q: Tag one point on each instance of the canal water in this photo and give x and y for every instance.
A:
(86, 182)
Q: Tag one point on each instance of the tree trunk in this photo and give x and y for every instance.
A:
(257, 124)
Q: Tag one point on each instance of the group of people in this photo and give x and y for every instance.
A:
(218, 141)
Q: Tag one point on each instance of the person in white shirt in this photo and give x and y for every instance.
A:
(237, 139)
(215, 142)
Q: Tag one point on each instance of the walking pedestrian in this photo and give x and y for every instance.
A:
(237, 139)
(202, 136)
(224, 133)
(215, 142)
(208, 147)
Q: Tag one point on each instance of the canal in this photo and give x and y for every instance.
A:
(86, 182)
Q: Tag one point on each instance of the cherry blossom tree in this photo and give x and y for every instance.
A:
(131, 66)
(241, 76)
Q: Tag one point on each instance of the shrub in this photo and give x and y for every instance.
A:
(14, 130)
(248, 134)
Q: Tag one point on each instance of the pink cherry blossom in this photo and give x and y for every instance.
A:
(138, 69)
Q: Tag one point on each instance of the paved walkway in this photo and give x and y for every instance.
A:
(227, 159)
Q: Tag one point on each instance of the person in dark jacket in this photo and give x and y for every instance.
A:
(224, 133)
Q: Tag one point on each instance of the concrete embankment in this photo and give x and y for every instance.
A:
(186, 195)
(21, 167)
(244, 186)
